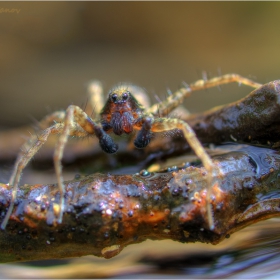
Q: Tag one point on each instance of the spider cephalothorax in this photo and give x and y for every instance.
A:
(121, 113)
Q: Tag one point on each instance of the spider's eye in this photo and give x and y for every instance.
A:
(114, 97)
(125, 96)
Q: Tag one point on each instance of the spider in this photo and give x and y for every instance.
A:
(121, 114)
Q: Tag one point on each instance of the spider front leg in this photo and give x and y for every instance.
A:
(175, 99)
(75, 115)
(75, 123)
(164, 124)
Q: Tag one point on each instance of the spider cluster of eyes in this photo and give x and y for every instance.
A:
(116, 98)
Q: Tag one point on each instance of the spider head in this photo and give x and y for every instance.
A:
(119, 96)
(120, 111)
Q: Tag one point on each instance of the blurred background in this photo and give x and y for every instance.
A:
(50, 50)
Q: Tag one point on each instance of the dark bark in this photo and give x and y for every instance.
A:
(255, 118)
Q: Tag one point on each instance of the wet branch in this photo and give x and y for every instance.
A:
(105, 213)
(255, 118)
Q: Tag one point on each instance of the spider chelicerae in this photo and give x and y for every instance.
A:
(121, 114)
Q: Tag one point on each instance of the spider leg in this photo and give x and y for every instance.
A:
(224, 79)
(50, 119)
(96, 101)
(57, 157)
(29, 150)
(76, 123)
(75, 114)
(165, 124)
(47, 122)
(96, 96)
(177, 97)
(140, 94)
(143, 137)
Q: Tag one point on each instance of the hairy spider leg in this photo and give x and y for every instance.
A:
(224, 79)
(175, 99)
(77, 115)
(151, 124)
(50, 119)
(29, 149)
(35, 143)
(96, 96)
(76, 123)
